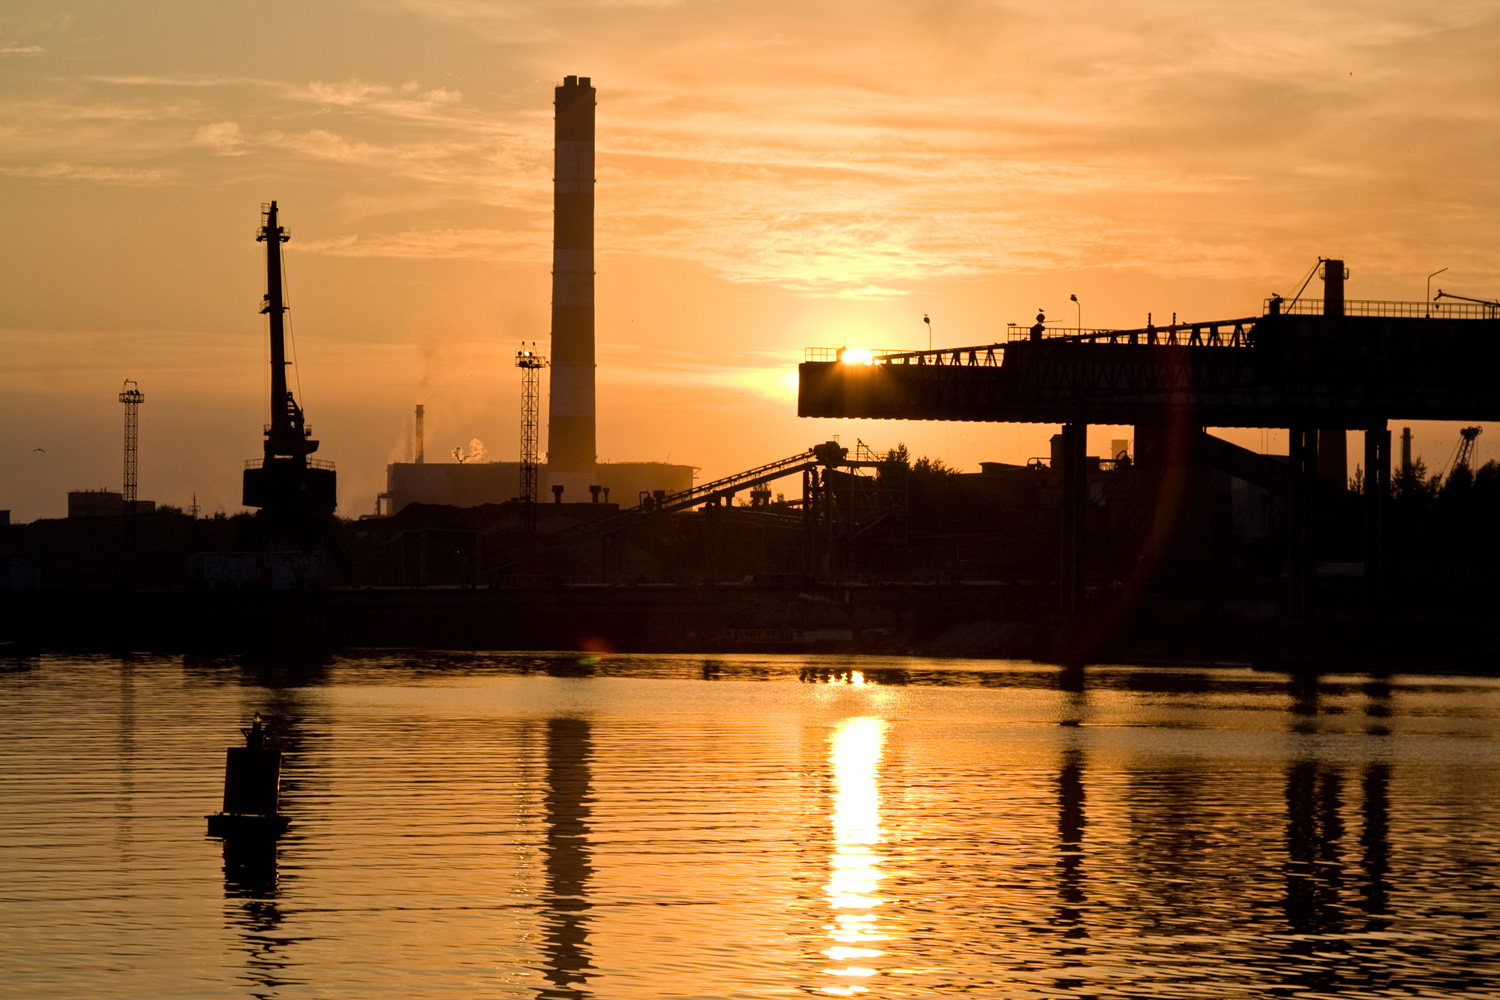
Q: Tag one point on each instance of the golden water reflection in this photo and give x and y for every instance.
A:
(853, 887)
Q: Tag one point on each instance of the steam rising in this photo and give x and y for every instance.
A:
(476, 452)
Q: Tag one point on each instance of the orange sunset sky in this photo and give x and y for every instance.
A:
(771, 176)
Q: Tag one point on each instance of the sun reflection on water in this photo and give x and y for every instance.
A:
(853, 887)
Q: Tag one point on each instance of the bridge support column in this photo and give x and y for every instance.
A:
(810, 523)
(1302, 485)
(1074, 506)
(1377, 491)
(711, 542)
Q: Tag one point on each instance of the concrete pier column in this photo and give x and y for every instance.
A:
(809, 523)
(1333, 453)
(1302, 485)
(1074, 479)
(1377, 493)
(1333, 457)
(711, 542)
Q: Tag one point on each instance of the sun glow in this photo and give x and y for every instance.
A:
(853, 887)
(856, 356)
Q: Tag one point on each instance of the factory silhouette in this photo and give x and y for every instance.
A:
(1177, 545)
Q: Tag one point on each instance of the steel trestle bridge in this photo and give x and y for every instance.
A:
(1308, 366)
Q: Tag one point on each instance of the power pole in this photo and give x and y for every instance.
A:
(531, 362)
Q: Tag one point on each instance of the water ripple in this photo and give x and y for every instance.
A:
(522, 825)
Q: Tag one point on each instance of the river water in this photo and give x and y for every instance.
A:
(516, 825)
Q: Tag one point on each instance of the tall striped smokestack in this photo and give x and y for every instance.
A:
(570, 408)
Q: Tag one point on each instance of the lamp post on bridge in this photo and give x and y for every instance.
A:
(1434, 274)
(1074, 300)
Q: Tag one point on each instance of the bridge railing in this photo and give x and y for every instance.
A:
(1394, 308)
(1218, 333)
(981, 355)
(1016, 331)
(312, 463)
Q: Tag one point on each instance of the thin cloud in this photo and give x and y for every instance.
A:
(325, 145)
(88, 172)
(438, 105)
(474, 244)
(224, 138)
(873, 292)
(22, 50)
(855, 149)
(778, 383)
(347, 94)
(183, 80)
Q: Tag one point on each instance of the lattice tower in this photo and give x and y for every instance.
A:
(531, 362)
(1466, 439)
(132, 397)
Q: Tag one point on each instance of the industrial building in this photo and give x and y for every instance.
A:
(105, 503)
(472, 484)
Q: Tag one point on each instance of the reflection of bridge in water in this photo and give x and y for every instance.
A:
(1313, 367)
(1187, 860)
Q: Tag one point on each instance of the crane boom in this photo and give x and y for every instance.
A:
(286, 435)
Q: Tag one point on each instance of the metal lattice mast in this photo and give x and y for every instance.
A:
(132, 397)
(531, 362)
(1467, 437)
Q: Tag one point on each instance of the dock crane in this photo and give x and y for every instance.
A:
(285, 481)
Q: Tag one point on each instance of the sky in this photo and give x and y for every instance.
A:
(770, 177)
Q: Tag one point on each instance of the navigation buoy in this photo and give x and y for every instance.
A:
(252, 789)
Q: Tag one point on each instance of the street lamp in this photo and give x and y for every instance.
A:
(928, 320)
(1434, 274)
(1074, 300)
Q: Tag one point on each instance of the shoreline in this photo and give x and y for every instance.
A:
(939, 621)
